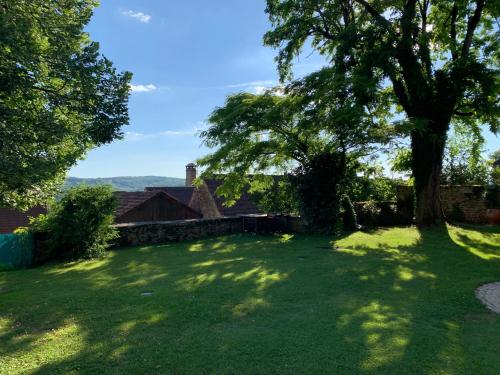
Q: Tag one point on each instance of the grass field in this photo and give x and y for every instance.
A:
(394, 301)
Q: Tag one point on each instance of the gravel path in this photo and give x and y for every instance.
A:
(489, 294)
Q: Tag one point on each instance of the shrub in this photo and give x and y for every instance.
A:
(318, 184)
(349, 218)
(78, 226)
(370, 211)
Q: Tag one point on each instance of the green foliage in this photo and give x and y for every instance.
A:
(279, 198)
(318, 185)
(58, 96)
(78, 226)
(349, 218)
(463, 163)
(437, 61)
(290, 128)
(370, 212)
(494, 166)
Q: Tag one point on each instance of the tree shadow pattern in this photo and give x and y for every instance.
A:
(383, 302)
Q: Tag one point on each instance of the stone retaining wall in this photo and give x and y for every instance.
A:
(168, 231)
(133, 234)
(461, 203)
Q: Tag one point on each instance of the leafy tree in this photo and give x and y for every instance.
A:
(58, 96)
(78, 226)
(463, 163)
(437, 59)
(494, 165)
(291, 128)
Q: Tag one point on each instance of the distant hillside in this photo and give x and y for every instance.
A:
(126, 183)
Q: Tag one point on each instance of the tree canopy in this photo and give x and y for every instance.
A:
(287, 127)
(58, 96)
(437, 58)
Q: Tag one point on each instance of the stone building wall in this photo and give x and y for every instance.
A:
(131, 234)
(461, 203)
(465, 203)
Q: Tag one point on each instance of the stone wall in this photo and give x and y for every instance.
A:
(465, 203)
(461, 203)
(154, 232)
(179, 230)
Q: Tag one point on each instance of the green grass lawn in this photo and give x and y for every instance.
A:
(395, 301)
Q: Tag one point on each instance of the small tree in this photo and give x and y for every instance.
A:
(79, 225)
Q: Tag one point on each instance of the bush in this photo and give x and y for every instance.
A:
(78, 226)
(318, 185)
(349, 218)
(370, 212)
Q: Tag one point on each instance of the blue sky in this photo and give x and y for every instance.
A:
(186, 57)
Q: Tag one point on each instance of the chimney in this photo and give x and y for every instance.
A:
(190, 174)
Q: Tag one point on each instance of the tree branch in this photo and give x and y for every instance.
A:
(376, 15)
(453, 31)
(471, 27)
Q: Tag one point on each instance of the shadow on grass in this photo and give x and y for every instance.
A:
(389, 301)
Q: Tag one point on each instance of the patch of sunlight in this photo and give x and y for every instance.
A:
(452, 356)
(485, 246)
(385, 329)
(210, 263)
(196, 247)
(196, 281)
(381, 239)
(284, 238)
(129, 326)
(263, 277)
(120, 352)
(249, 305)
(47, 346)
(354, 252)
(225, 248)
(143, 281)
(82, 265)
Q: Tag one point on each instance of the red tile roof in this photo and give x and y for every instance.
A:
(13, 219)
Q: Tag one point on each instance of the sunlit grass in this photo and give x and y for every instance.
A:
(388, 301)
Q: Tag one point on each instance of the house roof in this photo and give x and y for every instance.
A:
(243, 206)
(13, 219)
(128, 200)
(183, 194)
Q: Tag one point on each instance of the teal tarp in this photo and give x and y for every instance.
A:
(16, 250)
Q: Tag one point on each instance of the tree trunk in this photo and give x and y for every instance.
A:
(427, 157)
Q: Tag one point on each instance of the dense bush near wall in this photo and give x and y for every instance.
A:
(383, 214)
(78, 226)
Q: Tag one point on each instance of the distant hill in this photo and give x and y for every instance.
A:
(126, 183)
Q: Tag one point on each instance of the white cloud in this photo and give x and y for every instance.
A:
(135, 136)
(252, 84)
(143, 88)
(139, 16)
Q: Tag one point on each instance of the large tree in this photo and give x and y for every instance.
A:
(438, 58)
(313, 127)
(58, 96)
